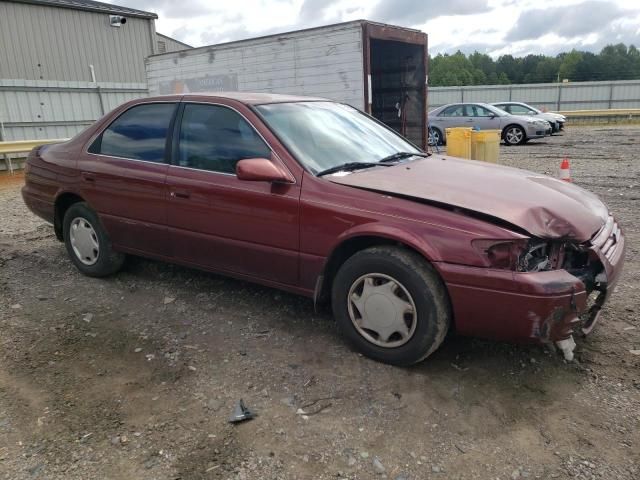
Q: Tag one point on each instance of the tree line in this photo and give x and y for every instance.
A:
(614, 62)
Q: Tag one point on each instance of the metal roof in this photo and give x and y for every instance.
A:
(173, 39)
(290, 32)
(91, 6)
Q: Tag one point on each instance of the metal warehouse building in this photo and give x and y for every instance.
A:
(63, 63)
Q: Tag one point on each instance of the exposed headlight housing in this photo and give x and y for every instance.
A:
(522, 255)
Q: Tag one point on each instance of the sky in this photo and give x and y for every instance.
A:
(495, 27)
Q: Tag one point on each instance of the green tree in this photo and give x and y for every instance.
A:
(614, 62)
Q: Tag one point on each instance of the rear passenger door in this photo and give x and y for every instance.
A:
(123, 177)
(222, 223)
(452, 116)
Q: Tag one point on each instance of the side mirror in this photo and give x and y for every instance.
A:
(262, 170)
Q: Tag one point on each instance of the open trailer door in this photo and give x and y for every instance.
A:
(395, 69)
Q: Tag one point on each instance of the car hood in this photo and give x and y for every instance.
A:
(523, 118)
(541, 205)
(554, 117)
(557, 116)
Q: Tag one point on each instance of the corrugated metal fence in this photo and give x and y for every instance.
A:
(36, 109)
(43, 109)
(550, 96)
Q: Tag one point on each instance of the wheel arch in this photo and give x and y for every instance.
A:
(63, 201)
(349, 244)
(504, 130)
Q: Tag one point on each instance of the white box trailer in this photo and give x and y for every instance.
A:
(378, 68)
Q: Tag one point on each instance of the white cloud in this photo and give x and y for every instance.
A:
(496, 27)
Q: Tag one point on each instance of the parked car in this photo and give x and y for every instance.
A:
(516, 130)
(319, 199)
(556, 120)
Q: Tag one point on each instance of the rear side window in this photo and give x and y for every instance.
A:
(140, 133)
(215, 138)
(478, 111)
(520, 110)
(454, 111)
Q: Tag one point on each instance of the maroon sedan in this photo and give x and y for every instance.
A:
(320, 199)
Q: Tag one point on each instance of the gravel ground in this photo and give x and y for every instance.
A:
(134, 376)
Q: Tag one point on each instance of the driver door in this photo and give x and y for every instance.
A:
(482, 118)
(217, 221)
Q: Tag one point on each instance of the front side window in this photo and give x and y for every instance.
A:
(322, 135)
(215, 138)
(140, 133)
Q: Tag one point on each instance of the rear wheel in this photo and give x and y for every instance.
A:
(435, 136)
(391, 304)
(514, 135)
(87, 243)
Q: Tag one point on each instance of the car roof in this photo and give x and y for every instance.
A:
(250, 98)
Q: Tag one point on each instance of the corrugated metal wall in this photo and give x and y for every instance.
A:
(325, 62)
(552, 96)
(39, 109)
(49, 43)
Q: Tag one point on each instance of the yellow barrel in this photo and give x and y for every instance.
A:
(485, 145)
(459, 142)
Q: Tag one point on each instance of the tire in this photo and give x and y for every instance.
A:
(88, 245)
(435, 137)
(514, 135)
(417, 285)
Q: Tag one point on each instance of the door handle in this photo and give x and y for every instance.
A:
(87, 177)
(180, 193)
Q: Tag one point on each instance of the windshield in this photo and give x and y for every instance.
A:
(323, 135)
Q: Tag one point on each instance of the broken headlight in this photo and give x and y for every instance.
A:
(522, 255)
(536, 257)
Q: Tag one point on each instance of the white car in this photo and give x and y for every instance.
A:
(556, 120)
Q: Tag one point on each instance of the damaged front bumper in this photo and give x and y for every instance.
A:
(543, 307)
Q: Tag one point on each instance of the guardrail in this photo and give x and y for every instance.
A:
(615, 112)
(615, 116)
(21, 146)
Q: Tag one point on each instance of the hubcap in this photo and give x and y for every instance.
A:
(514, 135)
(84, 241)
(382, 310)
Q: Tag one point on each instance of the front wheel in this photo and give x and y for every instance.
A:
(514, 135)
(391, 304)
(87, 243)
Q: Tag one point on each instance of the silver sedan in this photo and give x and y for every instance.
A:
(515, 129)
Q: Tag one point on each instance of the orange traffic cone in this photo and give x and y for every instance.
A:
(565, 170)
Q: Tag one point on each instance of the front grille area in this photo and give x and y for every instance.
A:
(607, 239)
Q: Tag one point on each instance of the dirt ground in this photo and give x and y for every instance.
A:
(135, 376)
